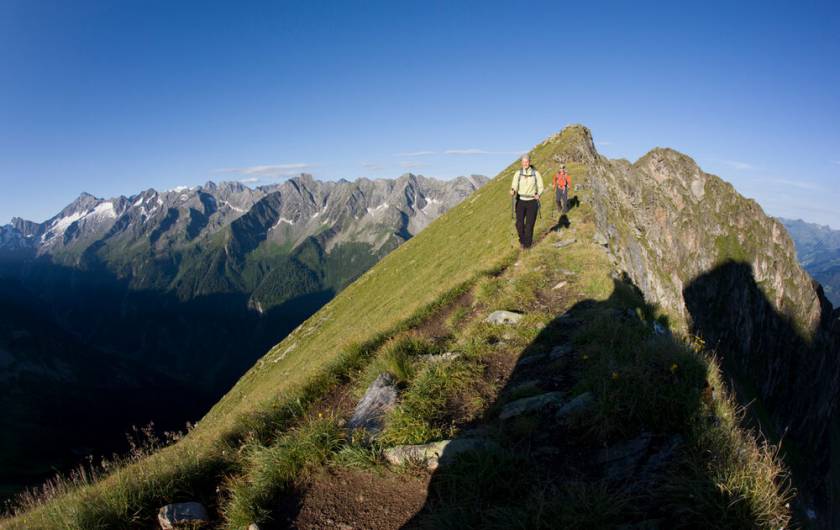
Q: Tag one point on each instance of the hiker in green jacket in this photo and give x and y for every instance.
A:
(526, 188)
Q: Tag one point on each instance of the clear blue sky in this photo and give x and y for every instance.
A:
(114, 97)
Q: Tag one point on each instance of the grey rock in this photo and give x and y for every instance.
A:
(435, 454)
(447, 356)
(528, 360)
(504, 317)
(600, 239)
(621, 460)
(661, 458)
(531, 404)
(182, 513)
(379, 398)
(531, 383)
(560, 285)
(565, 243)
(578, 404)
(560, 352)
(659, 329)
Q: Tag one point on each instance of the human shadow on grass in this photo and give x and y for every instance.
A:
(563, 221)
(529, 463)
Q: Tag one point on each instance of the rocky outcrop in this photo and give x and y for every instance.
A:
(723, 270)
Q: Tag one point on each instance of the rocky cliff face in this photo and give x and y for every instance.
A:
(723, 270)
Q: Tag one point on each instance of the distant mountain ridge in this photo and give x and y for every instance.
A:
(164, 240)
(818, 248)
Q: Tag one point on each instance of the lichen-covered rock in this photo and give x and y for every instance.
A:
(503, 317)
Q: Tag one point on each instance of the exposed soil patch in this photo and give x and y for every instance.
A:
(361, 500)
(436, 326)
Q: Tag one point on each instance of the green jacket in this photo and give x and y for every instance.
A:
(527, 183)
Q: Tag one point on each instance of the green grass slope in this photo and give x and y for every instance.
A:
(475, 236)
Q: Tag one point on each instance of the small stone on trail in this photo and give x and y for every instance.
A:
(435, 454)
(560, 285)
(565, 243)
(504, 317)
(172, 516)
(447, 356)
(531, 404)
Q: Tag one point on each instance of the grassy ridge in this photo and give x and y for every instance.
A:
(475, 236)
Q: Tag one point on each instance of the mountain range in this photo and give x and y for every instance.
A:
(818, 248)
(658, 359)
(115, 312)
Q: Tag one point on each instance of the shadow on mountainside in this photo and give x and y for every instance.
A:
(83, 358)
(789, 384)
(597, 426)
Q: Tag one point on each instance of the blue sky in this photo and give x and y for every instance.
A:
(115, 97)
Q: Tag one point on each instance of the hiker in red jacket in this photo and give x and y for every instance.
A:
(562, 183)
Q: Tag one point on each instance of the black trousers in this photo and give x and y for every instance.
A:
(526, 216)
(561, 199)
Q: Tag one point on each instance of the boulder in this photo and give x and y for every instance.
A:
(380, 397)
(182, 514)
(504, 317)
(434, 454)
(578, 404)
(531, 404)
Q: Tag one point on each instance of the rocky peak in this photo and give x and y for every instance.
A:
(573, 144)
(84, 202)
(725, 271)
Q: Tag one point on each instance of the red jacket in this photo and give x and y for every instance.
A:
(562, 179)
